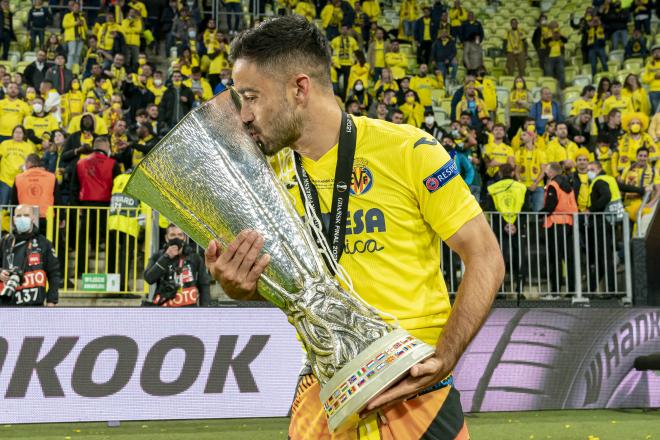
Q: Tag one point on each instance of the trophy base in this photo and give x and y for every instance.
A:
(372, 371)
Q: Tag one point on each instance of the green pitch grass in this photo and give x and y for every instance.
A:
(533, 425)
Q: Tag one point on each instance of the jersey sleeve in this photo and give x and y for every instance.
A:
(444, 199)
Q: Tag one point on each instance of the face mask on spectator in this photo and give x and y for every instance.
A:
(75, 86)
(23, 224)
(116, 105)
(635, 128)
(224, 81)
(192, 34)
(591, 175)
(142, 61)
(30, 96)
(38, 108)
(175, 242)
(90, 108)
(519, 85)
(410, 99)
(158, 82)
(429, 120)
(176, 83)
(359, 87)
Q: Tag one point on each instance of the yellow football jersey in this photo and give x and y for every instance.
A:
(406, 195)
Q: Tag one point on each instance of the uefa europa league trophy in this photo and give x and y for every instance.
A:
(208, 176)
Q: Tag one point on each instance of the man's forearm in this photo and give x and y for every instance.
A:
(482, 279)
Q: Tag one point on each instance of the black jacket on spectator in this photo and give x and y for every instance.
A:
(172, 109)
(138, 97)
(471, 30)
(38, 19)
(12, 36)
(17, 245)
(161, 267)
(443, 53)
(68, 161)
(615, 19)
(61, 78)
(33, 75)
(552, 199)
(418, 29)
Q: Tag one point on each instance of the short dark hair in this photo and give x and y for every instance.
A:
(643, 148)
(285, 43)
(141, 112)
(195, 70)
(34, 160)
(587, 89)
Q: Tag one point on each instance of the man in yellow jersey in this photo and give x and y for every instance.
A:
(530, 169)
(651, 76)
(12, 111)
(580, 179)
(515, 46)
(617, 100)
(497, 153)
(408, 198)
(640, 174)
(343, 48)
(561, 149)
(376, 53)
(423, 84)
(635, 136)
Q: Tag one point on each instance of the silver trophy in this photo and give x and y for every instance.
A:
(208, 176)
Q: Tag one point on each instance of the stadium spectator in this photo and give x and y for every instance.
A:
(408, 15)
(530, 169)
(6, 28)
(507, 198)
(425, 31)
(651, 77)
(580, 179)
(541, 33)
(343, 49)
(36, 186)
(35, 72)
(423, 85)
(39, 123)
(636, 46)
(461, 158)
(431, 127)
(396, 61)
(413, 111)
(397, 117)
(457, 16)
(53, 155)
(604, 196)
(13, 153)
(93, 176)
(179, 273)
(561, 149)
(37, 20)
(497, 153)
(633, 89)
(28, 251)
(132, 28)
(443, 54)
(556, 44)
(12, 111)
(641, 13)
(59, 75)
(176, 102)
(545, 110)
(559, 204)
(616, 18)
(595, 45)
(515, 47)
(139, 95)
(75, 34)
(635, 136)
(520, 101)
(360, 96)
(580, 127)
(643, 176)
(376, 53)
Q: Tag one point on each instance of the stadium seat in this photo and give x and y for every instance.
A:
(506, 81)
(8, 65)
(634, 65)
(445, 105)
(549, 82)
(502, 95)
(441, 118)
(569, 74)
(582, 80)
(534, 72)
(437, 95)
(21, 65)
(536, 94)
(601, 75)
(615, 57)
(29, 56)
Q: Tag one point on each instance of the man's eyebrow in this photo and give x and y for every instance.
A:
(243, 90)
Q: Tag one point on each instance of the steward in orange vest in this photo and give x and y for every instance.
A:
(560, 205)
(37, 187)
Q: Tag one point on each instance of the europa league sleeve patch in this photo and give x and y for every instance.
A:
(440, 177)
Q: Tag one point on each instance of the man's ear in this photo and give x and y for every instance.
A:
(303, 88)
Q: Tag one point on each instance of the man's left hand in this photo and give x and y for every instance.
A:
(420, 377)
(50, 304)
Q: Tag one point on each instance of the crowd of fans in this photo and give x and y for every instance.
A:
(93, 87)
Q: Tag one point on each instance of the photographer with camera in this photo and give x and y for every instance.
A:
(28, 260)
(179, 274)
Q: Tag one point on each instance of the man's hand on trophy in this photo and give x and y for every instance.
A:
(239, 266)
(420, 377)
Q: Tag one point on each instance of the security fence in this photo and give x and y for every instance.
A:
(105, 250)
(101, 249)
(588, 257)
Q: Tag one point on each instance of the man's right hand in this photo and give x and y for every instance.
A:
(172, 251)
(238, 267)
(4, 276)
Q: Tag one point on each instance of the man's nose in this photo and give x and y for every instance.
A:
(246, 114)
